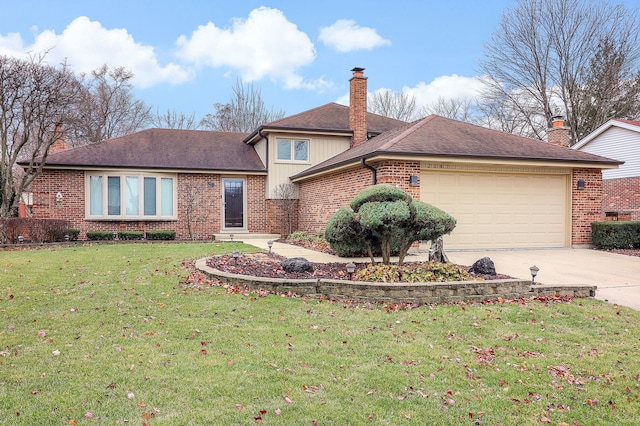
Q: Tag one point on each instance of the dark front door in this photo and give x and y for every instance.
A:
(234, 203)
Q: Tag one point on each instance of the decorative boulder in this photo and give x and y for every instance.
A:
(483, 266)
(297, 264)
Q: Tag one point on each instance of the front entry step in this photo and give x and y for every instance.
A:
(243, 236)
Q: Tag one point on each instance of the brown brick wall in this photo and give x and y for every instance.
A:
(397, 173)
(587, 204)
(622, 196)
(199, 202)
(321, 197)
(280, 213)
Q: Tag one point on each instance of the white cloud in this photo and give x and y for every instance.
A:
(346, 36)
(265, 45)
(447, 87)
(87, 45)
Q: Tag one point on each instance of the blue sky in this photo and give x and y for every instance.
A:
(186, 55)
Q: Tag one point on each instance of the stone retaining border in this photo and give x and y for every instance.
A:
(420, 293)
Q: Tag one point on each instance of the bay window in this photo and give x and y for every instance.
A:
(136, 196)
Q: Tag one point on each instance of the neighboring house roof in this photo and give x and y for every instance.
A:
(436, 136)
(332, 118)
(165, 149)
(623, 124)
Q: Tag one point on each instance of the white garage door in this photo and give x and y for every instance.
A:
(500, 210)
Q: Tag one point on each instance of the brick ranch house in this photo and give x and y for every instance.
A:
(505, 191)
(619, 139)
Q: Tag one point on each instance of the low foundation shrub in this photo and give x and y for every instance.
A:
(616, 235)
(130, 235)
(163, 235)
(99, 235)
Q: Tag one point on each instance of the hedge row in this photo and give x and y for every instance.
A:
(131, 235)
(616, 235)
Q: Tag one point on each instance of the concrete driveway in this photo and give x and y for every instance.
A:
(616, 276)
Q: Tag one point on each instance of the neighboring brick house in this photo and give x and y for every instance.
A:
(619, 139)
(505, 191)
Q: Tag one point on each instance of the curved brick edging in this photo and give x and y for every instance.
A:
(422, 293)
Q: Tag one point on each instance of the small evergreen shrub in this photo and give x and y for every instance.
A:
(301, 236)
(616, 235)
(99, 235)
(130, 235)
(163, 235)
(72, 233)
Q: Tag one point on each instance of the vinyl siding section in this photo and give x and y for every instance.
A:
(320, 148)
(619, 144)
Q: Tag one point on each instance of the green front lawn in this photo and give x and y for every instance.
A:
(125, 334)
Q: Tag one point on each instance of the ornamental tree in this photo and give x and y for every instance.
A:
(383, 219)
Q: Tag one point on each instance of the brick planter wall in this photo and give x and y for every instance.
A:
(421, 293)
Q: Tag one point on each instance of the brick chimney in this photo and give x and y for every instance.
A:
(358, 106)
(60, 140)
(558, 134)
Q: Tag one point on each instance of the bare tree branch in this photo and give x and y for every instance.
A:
(401, 106)
(541, 57)
(34, 99)
(244, 112)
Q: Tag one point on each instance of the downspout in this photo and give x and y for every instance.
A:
(374, 172)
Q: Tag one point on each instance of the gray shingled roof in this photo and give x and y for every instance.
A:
(331, 117)
(166, 149)
(436, 136)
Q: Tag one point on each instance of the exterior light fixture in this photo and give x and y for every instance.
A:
(413, 180)
(351, 268)
(235, 255)
(59, 197)
(534, 271)
(115, 235)
(67, 237)
(270, 245)
(581, 184)
(20, 239)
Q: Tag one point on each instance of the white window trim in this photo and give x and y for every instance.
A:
(292, 148)
(123, 217)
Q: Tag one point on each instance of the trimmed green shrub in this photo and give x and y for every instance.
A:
(99, 235)
(164, 235)
(130, 235)
(345, 235)
(616, 235)
(386, 220)
(72, 233)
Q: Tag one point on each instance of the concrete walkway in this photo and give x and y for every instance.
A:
(616, 276)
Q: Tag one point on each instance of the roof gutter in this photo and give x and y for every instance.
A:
(374, 172)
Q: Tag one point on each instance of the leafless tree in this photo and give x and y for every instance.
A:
(386, 102)
(540, 58)
(107, 108)
(611, 90)
(190, 199)
(460, 109)
(244, 112)
(172, 119)
(34, 99)
(285, 194)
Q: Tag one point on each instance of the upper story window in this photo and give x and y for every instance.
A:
(293, 150)
(141, 196)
